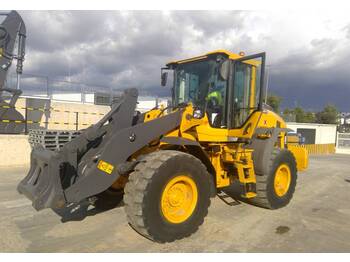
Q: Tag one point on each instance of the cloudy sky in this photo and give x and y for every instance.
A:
(308, 51)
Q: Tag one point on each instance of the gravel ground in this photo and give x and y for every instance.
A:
(316, 220)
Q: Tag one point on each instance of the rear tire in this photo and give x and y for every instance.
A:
(271, 194)
(150, 206)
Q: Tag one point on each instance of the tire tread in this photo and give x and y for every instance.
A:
(136, 191)
(262, 199)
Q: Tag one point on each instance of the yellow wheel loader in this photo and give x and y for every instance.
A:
(168, 162)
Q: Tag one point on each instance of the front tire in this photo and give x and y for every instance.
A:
(167, 196)
(275, 189)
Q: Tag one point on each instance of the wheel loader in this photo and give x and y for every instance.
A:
(166, 164)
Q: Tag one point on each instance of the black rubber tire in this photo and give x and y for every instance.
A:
(144, 189)
(266, 196)
(109, 199)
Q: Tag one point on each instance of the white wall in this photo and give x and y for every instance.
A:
(144, 102)
(147, 103)
(325, 134)
(67, 97)
(74, 97)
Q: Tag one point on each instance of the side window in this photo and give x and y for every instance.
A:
(216, 102)
(188, 85)
(245, 91)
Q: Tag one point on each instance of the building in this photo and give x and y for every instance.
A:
(315, 133)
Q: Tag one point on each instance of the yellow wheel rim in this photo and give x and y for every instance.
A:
(179, 199)
(282, 180)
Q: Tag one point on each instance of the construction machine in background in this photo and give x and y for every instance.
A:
(12, 46)
(167, 163)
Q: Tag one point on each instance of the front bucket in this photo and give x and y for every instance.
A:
(43, 185)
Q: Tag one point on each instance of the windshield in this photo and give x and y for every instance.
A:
(204, 83)
(195, 80)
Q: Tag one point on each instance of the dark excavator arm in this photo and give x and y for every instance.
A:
(12, 46)
(11, 29)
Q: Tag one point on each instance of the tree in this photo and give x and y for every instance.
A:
(274, 101)
(329, 115)
(299, 115)
(309, 117)
(288, 111)
(288, 115)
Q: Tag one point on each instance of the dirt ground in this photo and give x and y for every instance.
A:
(316, 220)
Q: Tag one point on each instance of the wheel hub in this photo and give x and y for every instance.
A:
(179, 199)
(177, 194)
(282, 180)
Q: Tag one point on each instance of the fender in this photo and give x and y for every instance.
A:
(263, 148)
(179, 141)
(195, 149)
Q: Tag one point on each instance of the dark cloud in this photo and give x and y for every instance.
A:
(56, 30)
(314, 77)
(123, 49)
(211, 23)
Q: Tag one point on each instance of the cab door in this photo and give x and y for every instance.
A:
(246, 89)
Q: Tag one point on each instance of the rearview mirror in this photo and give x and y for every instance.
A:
(164, 78)
(224, 68)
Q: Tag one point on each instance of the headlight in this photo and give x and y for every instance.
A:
(197, 113)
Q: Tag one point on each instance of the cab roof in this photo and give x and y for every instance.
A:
(229, 54)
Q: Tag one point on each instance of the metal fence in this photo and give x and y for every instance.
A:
(343, 141)
(316, 149)
(39, 109)
(44, 86)
(39, 116)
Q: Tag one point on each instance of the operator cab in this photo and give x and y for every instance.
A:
(226, 87)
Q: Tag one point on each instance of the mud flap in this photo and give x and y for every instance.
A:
(42, 185)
